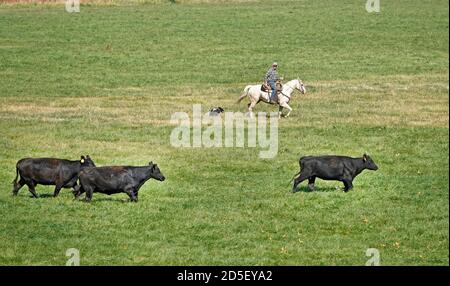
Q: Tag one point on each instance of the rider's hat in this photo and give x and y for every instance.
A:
(275, 64)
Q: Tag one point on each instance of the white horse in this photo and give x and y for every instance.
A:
(255, 94)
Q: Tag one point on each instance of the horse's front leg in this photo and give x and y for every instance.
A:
(284, 104)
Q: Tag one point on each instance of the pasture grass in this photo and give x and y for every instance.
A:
(105, 82)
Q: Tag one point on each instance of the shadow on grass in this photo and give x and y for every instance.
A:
(105, 200)
(40, 196)
(305, 189)
(43, 196)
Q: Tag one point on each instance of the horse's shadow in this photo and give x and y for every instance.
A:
(305, 189)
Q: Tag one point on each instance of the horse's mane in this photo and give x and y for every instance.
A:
(296, 79)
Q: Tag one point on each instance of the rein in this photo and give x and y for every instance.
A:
(287, 95)
(292, 89)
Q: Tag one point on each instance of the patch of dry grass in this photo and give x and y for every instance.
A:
(387, 101)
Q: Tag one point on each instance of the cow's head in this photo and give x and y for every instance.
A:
(156, 172)
(87, 161)
(369, 163)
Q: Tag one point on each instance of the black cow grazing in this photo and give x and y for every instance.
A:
(117, 179)
(338, 168)
(49, 171)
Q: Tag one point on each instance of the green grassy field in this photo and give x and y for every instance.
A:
(105, 82)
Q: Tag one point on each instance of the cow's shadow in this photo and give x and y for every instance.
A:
(112, 200)
(105, 200)
(43, 196)
(305, 189)
(40, 196)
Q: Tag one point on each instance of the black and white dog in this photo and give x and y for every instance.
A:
(216, 111)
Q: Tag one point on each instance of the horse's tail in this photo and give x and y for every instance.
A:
(244, 94)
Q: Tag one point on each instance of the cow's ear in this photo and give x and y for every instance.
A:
(150, 163)
(87, 156)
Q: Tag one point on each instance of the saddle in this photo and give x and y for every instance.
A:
(266, 88)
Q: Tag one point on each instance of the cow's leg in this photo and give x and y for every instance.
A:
(72, 183)
(31, 186)
(57, 189)
(89, 191)
(130, 192)
(311, 181)
(77, 191)
(17, 186)
(303, 176)
(61, 182)
(347, 185)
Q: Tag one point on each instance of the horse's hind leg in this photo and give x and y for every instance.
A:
(250, 108)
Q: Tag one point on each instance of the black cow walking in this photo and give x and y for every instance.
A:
(338, 168)
(116, 179)
(49, 171)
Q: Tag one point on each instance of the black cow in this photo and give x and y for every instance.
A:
(116, 179)
(49, 171)
(338, 168)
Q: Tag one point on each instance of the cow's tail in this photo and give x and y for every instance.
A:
(17, 175)
(294, 177)
(244, 94)
(301, 167)
(77, 191)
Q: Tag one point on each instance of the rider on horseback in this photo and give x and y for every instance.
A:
(271, 80)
